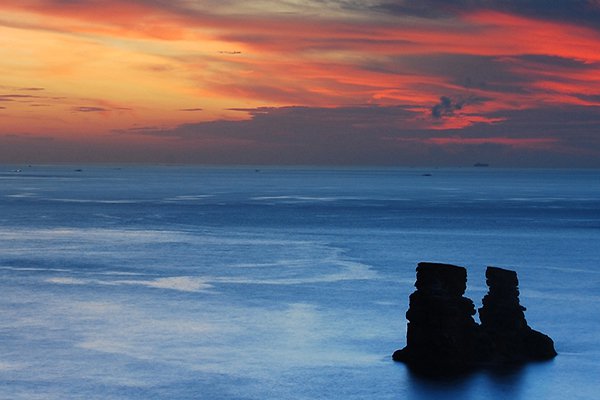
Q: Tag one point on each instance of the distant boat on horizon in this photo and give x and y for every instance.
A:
(481, 165)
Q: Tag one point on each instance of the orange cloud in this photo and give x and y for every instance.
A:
(113, 65)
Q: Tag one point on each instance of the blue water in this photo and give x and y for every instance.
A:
(280, 283)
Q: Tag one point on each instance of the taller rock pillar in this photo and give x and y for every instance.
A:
(441, 333)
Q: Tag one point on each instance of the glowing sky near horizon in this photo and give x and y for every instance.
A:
(301, 81)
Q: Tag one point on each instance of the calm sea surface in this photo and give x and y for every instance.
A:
(280, 283)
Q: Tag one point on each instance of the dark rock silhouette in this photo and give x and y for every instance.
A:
(441, 332)
(442, 336)
(503, 322)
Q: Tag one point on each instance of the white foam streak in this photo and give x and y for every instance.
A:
(296, 198)
(188, 197)
(66, 200)
(179, 283)
(21, 195)
(69, 281)
(348, 271)
(35, 269)
(8, 366)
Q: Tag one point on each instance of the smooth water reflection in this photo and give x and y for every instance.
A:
(497, 384)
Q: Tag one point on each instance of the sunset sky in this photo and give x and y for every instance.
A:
(335, 82)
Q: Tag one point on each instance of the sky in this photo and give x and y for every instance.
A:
(512, 83)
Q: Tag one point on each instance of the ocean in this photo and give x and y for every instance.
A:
(181, 282)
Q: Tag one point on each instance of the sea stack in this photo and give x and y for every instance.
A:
(503, 323)
(442, 335)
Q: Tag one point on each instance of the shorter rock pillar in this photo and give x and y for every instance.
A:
(503, 323)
